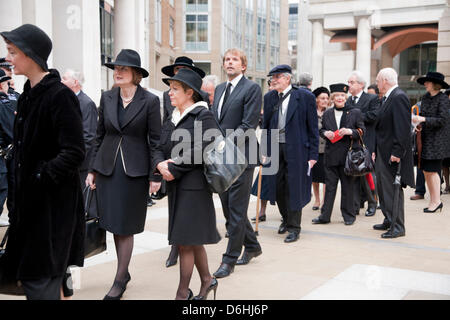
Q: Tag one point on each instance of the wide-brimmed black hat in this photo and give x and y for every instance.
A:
(435, 77)
(339, 87)
(182, 61)
(3, 76)
(282, 68)
(321, 90)
(188, 77)
(34, 42)
(128, 58)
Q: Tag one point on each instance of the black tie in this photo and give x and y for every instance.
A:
(280, 101)
(354, 100)
(227, 93)
(384, 100)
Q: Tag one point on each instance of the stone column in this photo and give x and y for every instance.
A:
(304, 39)
(124, 25)
(317, 51)
(364, 45)
(443, 53)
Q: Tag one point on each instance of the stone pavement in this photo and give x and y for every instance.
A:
(331, 261)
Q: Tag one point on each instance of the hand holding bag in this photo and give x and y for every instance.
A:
(358, 162)
(95, 239)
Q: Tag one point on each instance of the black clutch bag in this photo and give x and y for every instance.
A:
(95, 237)
(358, 162)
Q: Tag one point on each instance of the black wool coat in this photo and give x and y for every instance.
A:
(192, 217)
(336, 153)
(47, 222)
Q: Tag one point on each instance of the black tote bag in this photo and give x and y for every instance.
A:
(95, 238)
(358, 163)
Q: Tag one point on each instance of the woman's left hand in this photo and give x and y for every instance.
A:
(154, 186)
(345, 132)
(163, 168)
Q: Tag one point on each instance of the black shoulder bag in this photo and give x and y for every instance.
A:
(358, 162)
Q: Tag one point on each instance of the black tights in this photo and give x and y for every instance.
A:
(190, 256)
(124, 250)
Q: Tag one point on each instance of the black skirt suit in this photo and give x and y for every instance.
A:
(123, 159)
(192, 217)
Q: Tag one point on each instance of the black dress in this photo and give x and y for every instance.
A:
(122, 200)
(192, 216)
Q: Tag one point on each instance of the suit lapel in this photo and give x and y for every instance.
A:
(220, 90)
(111, 108)
(332, 119)
(344, 119)
(233, 94)
(135, 107)
(292, 107)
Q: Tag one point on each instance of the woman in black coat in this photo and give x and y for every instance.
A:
(192, 217)
(47, 218)
(121, 170)
(435, 123)
(341, 126)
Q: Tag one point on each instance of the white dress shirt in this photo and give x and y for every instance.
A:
(285, 104)
(234, 83)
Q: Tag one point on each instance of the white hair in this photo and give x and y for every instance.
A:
(75, 75)
(305, 79)
(359, 77)
(390, 75)
(214, 80)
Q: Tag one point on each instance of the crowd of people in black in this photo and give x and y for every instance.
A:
(124, 149)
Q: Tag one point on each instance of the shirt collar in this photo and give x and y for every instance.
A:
(77, 93)
(177, 117)
(287, 90)
(236, 80)
(358, 96)
(390, 91)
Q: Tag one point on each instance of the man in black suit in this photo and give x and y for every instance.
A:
(74, 80)
(394, 148)
(237, 106)
(368, 104)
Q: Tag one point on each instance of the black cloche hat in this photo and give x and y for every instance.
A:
(282, 68)
(33, 41)
(128, 58)
(435, 77)
(339, 87)
(188, 77)
(182, 61)
(321, 90)
(3, 76)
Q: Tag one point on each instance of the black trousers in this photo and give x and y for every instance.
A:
(235, 205)
(362, 193)
(332, 177)
(385, 183)
(43, 289)
(292, 219)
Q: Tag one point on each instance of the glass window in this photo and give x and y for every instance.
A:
(197, 25)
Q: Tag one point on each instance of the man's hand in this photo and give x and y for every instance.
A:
(395, 159)
(374, 156)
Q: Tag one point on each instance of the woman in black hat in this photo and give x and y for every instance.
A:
(435, 122)
(192, 217)
(47, 221)
(341, 126)
(121, 169)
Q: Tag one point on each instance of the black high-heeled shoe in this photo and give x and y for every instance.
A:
(261, 218)
(190, 295)
(212, 287)
(173, 257)
(439, 207)
(122, 285)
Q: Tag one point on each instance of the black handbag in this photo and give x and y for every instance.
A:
(9, 285)
(358, 162)
(95, 237)
(223, 164)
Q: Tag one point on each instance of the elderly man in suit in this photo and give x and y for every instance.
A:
(74, 80)
(368, 104)
(237, 106)
(293, 112)
(394, 148)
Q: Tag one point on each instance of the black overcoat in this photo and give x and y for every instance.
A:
(192, 217)
(47, 222)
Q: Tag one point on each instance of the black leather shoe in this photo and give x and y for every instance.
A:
(282, 229)
(292, 237)
(316, 208)
(247, 256)
(381, 227)
(227, 235)
(318, 221)
(150, 202)
(392, 235)
(349, 223)
(371, 212)
(224, 271)
(261, 218)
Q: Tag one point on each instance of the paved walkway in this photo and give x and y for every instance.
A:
(331, 261)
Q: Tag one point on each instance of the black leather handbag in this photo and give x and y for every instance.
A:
(95, 237)
(223, 164)
(358, 161)
(9, 285)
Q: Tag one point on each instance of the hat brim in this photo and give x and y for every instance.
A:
(166, 81)
(422, 81)
(6, 78)
(169, 70)
(111, 65)
(20, 43)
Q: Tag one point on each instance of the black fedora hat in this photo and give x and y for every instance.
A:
(185, 62)
(188, 77)
(128, 58)
(33, 41)
(435, 77)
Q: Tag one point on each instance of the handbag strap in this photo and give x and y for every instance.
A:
(5, 237)
(360, 133)
(88, 199)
